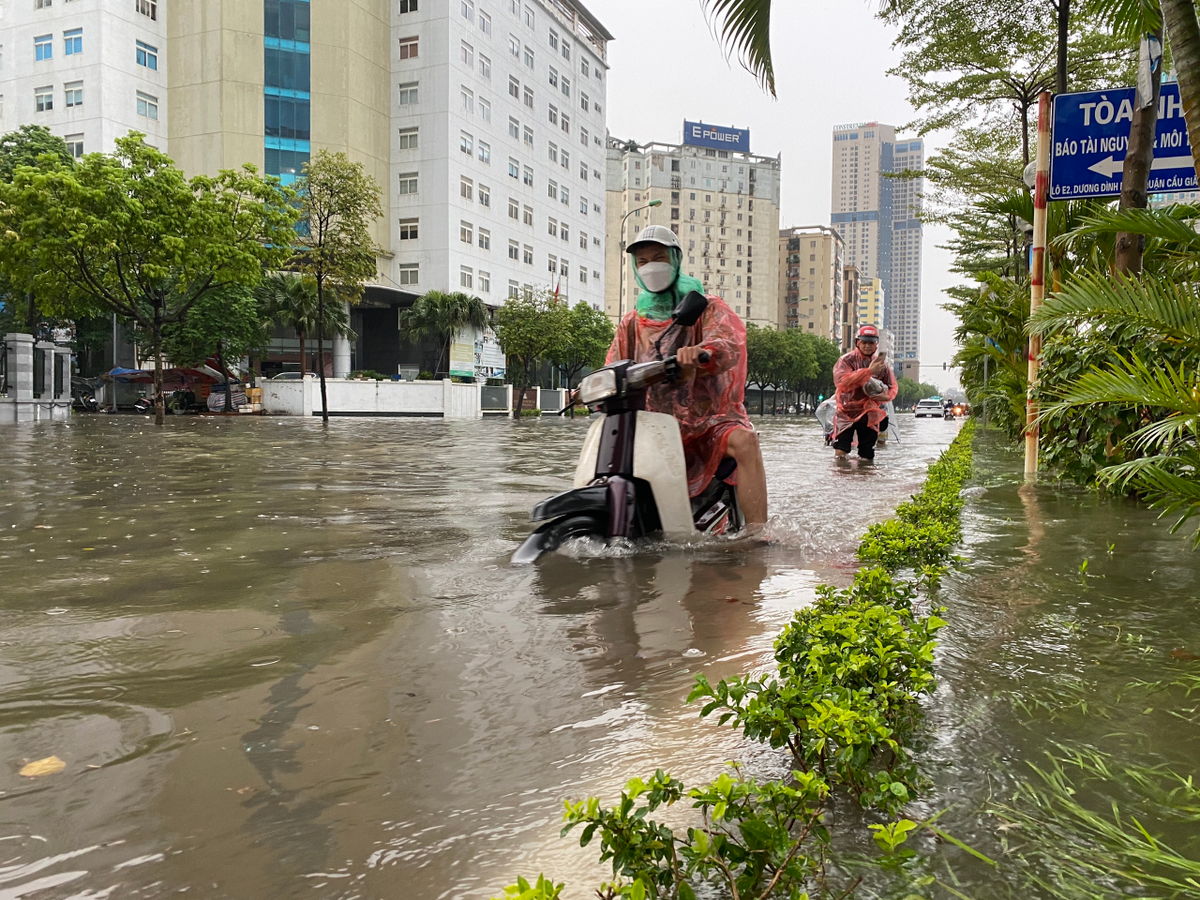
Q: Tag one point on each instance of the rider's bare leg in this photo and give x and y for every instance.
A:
(751, 476)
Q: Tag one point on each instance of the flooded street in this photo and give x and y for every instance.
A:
(279, 662)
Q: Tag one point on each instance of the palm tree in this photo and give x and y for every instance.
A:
(291, 300)
(438, 316)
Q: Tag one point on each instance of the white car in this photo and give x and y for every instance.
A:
(928, 408)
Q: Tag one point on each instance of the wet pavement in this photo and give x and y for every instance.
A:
(283, 662)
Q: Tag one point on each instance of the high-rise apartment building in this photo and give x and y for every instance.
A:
(850, 288)
(722, 202)
(812, 280)
(877, 209)
(90, 72)
(871, 302)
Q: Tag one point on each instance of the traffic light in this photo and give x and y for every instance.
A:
(943, 367)
(820, 397)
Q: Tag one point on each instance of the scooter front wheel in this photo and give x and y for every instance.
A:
(554, 534)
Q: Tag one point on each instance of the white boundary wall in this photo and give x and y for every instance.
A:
(355, 397)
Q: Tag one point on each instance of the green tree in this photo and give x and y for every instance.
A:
(36, 147)
(438, 316)
(582, 343)
(338, 202)
(129, 234)
(227, 324)
(525, 327)
(291, 300)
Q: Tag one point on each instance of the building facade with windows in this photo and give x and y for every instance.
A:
(851, 285)
(723, 205)
(88, 70)
(871, 302)
(498, 148)
(876, 205)
(812, 280)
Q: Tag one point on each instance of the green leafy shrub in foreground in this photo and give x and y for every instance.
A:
(843, 700)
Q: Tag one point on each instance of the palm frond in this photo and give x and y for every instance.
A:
(1129, 19)
(744, 28)
(1169, 483)
(1175, 224)
(1163, 305)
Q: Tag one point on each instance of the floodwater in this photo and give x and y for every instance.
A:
(280, 662)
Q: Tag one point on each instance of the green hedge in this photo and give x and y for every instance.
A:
(843, 700)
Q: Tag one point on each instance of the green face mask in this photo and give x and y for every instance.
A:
(658, 305)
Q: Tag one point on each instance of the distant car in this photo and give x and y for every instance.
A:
(932, 408)
(286, 376)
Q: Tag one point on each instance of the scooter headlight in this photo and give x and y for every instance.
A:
(600, 385)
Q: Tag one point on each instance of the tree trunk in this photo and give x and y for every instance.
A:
(32, 315)
(521, 391)
(321, 348)
(1183, 34)
(303, 356)
(160, 402)
(225, 375)
(1064, 22)
(1135, 176)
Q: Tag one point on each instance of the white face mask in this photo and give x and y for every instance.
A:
(657, 276)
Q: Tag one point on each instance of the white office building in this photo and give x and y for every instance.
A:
(88, 70)
(499, 148)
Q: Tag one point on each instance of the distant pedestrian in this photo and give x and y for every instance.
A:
(864, 383)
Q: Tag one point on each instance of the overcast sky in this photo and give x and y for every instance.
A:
(831, 62)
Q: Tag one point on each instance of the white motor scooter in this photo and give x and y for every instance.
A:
(631, 479)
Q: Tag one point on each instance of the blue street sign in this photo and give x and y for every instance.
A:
(1090, 136)
(718, 136)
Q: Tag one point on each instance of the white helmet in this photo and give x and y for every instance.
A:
(655, 234)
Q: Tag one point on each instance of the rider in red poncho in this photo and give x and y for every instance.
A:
(708, 400)
(864, 384)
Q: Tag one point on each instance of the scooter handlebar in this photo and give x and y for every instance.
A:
(705, 356)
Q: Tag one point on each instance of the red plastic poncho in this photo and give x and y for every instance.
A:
(850, 375)
(708, 403)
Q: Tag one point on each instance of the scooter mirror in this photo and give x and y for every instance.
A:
(690, 309)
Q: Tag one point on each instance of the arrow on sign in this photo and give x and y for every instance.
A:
(1109, 167)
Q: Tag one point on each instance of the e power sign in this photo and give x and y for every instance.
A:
(717, 136)
(1090, 137)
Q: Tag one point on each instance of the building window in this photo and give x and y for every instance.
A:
(408, 93)
(529, 18)
(529, 56)
(528, 131)
(485, 23)
(553, 77)
(41, 4)
(514, 46)
(146, 55)
(566, 87)
(583, 136)
(583, 274)
(73, 42)
(485, 67)
(527, 255)
(73, 94)
(466, 276)
(514, 290)
(566, 160)
(44, 98)
(466, 232)
(552, 189)
(485, 153)
(529, 97)
(564, 231)
(552, 263)
(566, 123)
(553, 227)
(468, 100)
(485, 282)
(527, 215)
(566, 49)
(528, 175)
(408, 182)
(147, 106)
(466, 188)
(552, 149)
(514, 128)
(583, 170)
(409, 274)
(485, 239)
(485, 110)
(514, 209)
(553, 113)
(583, 240)
(468, 9)
(149, 8)
(408, 138)
(485, 196)
(583, 205)
(409, 229)
(74, 145)
(583, 104)
(514, 87)
(408, 6)
(466, 143)
(409, 48)
(565, 195)
(583, 66)
(467, 53)
(514, 250)
(43, 47)
(514, 168)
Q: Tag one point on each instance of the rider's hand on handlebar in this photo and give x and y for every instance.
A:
(691, 358)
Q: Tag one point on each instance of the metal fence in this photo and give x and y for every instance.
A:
(494, 397)
(59, 374)
(4, 369)
(39, 372)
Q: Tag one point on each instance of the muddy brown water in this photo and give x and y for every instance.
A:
(283, 662)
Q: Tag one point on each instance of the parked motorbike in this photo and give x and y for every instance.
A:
(631, 478)
(83, 394)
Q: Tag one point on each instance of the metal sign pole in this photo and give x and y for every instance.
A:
(1037, 280)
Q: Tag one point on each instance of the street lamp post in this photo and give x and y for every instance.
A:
(621, 295)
